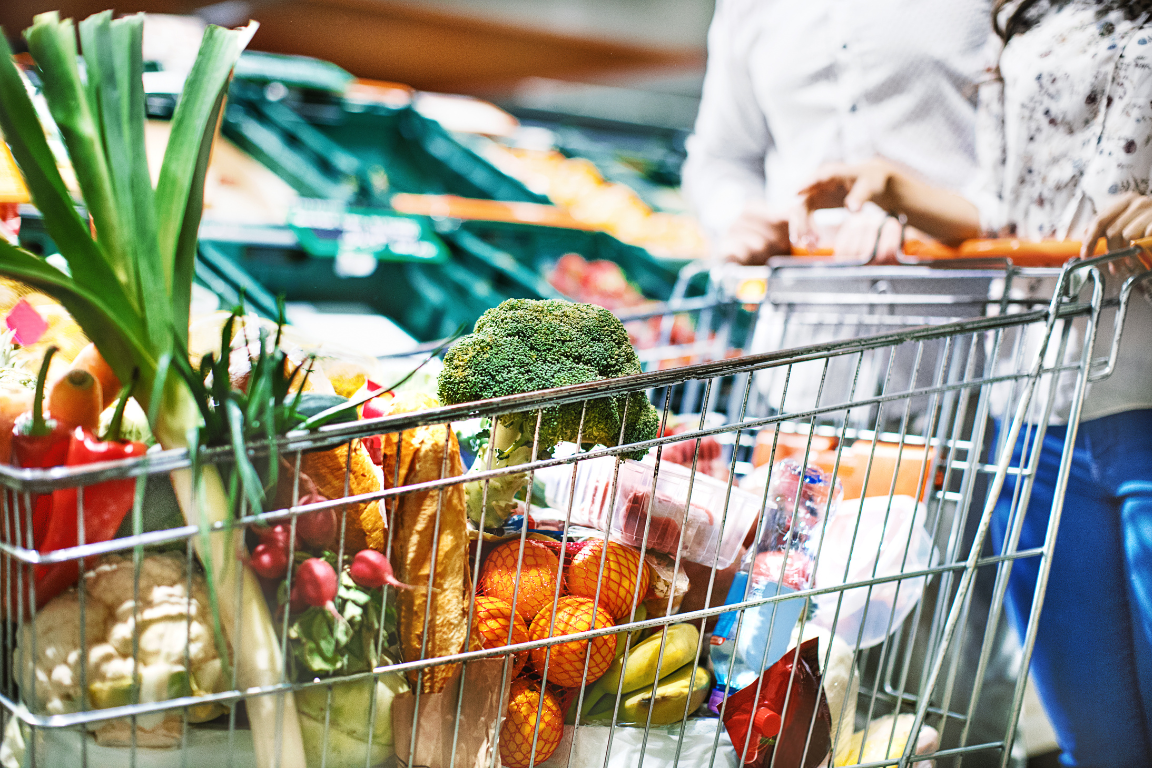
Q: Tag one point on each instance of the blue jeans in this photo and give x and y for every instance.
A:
(1092, 663)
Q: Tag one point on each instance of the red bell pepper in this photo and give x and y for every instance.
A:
(38, 443)
(372, 410)
(105, 505)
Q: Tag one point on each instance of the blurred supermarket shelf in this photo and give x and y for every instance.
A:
(450, 46)
(668, 102)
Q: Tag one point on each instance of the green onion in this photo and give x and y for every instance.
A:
(130, 285)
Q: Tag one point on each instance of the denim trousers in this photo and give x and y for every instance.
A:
(1092, 662)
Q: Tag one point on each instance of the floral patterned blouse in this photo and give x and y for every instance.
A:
(1063, 124)
(1066, 120)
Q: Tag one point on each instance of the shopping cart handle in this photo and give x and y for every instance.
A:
(1023, 253)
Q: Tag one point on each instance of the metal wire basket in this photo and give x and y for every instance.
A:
(900, 417)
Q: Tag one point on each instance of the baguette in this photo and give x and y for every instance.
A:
(429, 526)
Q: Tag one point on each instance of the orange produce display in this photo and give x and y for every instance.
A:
(565, 661)
(537, 582)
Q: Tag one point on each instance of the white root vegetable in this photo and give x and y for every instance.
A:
(274, 720)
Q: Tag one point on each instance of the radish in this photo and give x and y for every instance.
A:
(372, 410)
(317, 528)
(277, 535)
(316, 580)
(371, 570)
(269, 560)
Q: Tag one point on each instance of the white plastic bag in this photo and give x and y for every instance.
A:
(900, 545)
(591, 744)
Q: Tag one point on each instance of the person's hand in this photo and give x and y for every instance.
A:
(757, 234)
(841, 185)
(1127, 218)
(868, 235)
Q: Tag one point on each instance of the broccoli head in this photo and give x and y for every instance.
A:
(524, 346)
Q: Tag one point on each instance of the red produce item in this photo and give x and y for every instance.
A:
(38, 442)
(317, 528)
(269, 561)
(278, 534)
(316, 580)
(598, 282)
(751, 720)
(372, 410)
(105, 505)
(568, 274)
(371, 570)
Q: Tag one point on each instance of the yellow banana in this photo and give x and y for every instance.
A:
(642, 670)
(667, 703)
(637, 634)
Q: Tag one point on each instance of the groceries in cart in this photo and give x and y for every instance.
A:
(356, 588)
(780, 564)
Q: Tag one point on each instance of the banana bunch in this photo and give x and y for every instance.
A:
(680, 683)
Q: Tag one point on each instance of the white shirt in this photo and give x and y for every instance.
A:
(793, 84)
(1067, 125)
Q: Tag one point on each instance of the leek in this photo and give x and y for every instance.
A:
(130, 284)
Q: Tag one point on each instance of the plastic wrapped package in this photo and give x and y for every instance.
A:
(698, 529)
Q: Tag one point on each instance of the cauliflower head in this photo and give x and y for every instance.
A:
(176, 653)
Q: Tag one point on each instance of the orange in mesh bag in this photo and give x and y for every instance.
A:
(565, 661)
(624, 582)
(531, 717)
(528, 582)
(495, 626)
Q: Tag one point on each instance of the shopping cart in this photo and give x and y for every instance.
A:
(953, 387)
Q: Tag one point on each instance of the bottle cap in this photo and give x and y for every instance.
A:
(766, 722)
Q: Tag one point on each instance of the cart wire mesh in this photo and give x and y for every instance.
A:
(899, 416)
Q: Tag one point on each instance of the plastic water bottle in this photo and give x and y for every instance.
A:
(780, 564)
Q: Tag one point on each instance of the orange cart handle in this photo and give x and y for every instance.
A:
(1023, 253)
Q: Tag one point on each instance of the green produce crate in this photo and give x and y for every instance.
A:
(429, 300)
(539, 247)
(361, 153)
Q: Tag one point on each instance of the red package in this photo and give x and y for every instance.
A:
(762, 725)
(664, 529)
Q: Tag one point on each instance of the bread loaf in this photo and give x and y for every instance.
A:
(430, 527)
